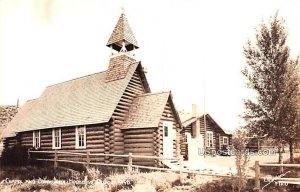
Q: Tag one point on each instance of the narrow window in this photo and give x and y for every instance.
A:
(56, 138)
(209, 136)
(36, 139)
(81, 137)
(225, 140)
(166, 131)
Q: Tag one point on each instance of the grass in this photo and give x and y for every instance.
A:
(43, 178)
(36, 178)
(288, 173)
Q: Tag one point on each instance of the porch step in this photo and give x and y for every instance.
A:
(172, 164)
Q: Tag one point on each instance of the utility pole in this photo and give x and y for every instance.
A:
(204, 106)
(204, 117)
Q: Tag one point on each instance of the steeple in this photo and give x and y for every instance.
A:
(123, 41)
(122, 38)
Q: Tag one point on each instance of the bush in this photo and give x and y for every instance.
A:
(15, 156)
(40, 185)
(223, 185)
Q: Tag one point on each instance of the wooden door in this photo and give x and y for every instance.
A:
(168, 139)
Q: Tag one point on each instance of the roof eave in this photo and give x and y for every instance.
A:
(174, 109)
(146, 127)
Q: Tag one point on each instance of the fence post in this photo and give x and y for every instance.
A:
(281, 168)
(28, 156)
(181, 169)
(129, 162)
(88, 159)
(55, 159)
(257, 175)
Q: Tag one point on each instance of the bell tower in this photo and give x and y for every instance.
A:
(122, 43)
(122, 38)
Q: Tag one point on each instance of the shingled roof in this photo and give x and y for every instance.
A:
(146, 110)
(188, 121)
(11, 128)
(85, 100)
(121, 32)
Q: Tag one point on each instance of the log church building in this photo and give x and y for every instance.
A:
(110, 112)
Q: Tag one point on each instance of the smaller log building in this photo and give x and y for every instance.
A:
(195, 126)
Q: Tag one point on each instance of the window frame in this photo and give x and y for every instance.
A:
(77, 137)
(166, 131)
(36, 138)
(53, 138)
(227, 140)
(210, 141)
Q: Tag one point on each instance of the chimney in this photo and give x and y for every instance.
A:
(196, 126)
(194, 110)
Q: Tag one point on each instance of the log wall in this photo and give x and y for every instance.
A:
(140, 141)
(183, 144)
(209, 127)
(149, 141)
(183, 141)
(135, 87)
(218, 133)
(109, 138)
(9, 142)
(95, 140)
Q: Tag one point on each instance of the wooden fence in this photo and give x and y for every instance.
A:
(181, 170)
(276, 178)
(129, 166)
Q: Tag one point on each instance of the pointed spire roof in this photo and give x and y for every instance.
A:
(122, 33)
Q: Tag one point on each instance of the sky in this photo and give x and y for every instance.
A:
(192, 47)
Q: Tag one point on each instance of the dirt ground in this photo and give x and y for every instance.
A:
(228, 162)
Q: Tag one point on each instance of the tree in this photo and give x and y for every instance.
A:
(241, 159)
(273, 75)
(292, 119)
